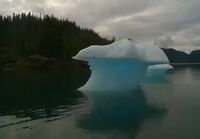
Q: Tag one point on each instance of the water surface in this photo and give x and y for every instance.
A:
(46, 106)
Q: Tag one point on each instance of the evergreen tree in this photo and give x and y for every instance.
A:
(23, 35)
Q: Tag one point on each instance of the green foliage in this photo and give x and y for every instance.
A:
(24, 35)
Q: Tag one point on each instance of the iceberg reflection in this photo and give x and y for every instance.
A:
(121, 111)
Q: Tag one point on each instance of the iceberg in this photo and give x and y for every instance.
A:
(114, 67)
(154, 55)
(115, 74)
(119, 66)
(157, 71)
(151, 54)
(122, 49)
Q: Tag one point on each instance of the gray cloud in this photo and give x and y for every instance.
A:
(164, 41)
(171, 22)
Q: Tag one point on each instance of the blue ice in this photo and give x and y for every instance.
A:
(121, 65)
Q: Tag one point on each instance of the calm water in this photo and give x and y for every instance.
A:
(46, 106)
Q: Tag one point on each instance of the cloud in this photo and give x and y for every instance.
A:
(170, 22)
(164, 41)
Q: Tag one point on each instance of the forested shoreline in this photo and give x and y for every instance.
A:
(27, 36)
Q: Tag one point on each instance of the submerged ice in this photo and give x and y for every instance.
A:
(120, 65)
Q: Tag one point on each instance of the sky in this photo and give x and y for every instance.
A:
(167, 23)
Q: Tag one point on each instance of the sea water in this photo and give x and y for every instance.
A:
(47, 106)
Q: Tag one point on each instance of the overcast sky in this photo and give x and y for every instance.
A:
(165, 22)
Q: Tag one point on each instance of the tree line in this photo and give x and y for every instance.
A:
(24, 35)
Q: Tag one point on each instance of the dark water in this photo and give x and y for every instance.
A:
(46, 106)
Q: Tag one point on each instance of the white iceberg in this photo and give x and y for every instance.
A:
(119, 66)
(154, 55)
(122, 49)
(157, 71)
(151, 54)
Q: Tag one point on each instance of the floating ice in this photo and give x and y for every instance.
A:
(120, 65)
(154, 55)
(151, 54)
(123, 49)
(115, 74)
(157, 71)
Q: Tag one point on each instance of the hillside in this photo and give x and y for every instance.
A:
(26, 38)
(181, 57)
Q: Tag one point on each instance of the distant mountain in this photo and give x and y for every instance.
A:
(194, 57)
(175, 56)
